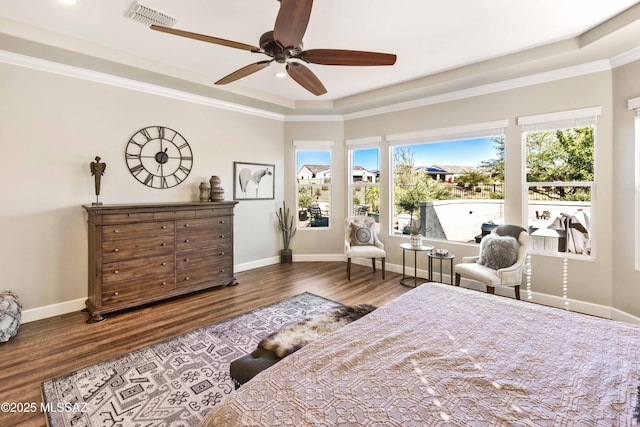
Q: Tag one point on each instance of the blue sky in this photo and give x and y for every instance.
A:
(469, 152)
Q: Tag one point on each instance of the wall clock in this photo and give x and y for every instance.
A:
(159, 157)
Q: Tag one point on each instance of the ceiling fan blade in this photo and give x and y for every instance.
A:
(347, 57)
(305, 78)
(243, 72)
(204, 38)
(292, 22)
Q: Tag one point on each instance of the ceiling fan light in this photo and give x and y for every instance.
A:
(280, 74)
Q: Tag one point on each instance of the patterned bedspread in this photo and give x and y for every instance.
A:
(445, 356)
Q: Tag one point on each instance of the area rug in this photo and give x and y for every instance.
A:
(172, 383)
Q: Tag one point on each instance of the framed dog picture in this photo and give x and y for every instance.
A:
(253, 181)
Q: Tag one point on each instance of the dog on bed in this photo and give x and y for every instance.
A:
(291, 339)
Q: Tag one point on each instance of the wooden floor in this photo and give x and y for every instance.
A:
(55, 346)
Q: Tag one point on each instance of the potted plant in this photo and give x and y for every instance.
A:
(288, 228)
(415, 230)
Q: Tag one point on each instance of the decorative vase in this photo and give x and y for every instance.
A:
(286, 256)
(416, 239)
(204, 192)
(217, 193)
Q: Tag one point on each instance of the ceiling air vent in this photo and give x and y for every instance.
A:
(149, 16)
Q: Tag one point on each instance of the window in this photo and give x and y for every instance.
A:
(634, 104)
(449, 180)
(364, 182)
(560, 180)
(313, 183)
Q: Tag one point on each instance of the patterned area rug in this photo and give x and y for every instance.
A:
(172, 383)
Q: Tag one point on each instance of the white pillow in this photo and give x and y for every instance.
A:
(361, 234)
(498, 251)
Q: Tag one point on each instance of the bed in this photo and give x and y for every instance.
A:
(440, 355)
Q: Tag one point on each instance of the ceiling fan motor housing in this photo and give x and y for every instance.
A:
(272, 48)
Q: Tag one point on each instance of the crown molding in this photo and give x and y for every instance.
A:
(109, 79)
(122, 82)
(534, 79)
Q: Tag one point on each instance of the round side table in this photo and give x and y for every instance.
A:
(412, 281)
(432, 255)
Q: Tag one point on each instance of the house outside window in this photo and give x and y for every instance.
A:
(364, 181)
(450, 180)
(313, 183)
(560, 181)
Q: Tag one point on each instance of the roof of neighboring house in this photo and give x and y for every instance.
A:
(315, 168)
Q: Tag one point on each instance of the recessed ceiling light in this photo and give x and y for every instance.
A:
(69, 2)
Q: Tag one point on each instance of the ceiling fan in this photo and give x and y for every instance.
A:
(284, 44)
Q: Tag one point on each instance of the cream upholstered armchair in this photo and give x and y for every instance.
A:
(361, 241)
(501, 261)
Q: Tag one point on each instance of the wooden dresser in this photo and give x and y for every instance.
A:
(149, 252)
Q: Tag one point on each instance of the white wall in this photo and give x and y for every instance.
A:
(52, 127)
(626, 279)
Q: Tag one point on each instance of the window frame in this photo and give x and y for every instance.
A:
(437, 135)
(314, 146)
(354, 145)
(634, 105)
(569, 119)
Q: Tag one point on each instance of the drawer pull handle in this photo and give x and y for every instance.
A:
(221, 253)
(116, 250)
(164, 283)
(186, 241)
(186, 259)
(222, 221)
(116, 231)
(222, 236)
(164, 227)
(186, 225)
(116, 272)
(186, 279)
(116, 293)
(164, 263)
(164, 244)
(222, 271)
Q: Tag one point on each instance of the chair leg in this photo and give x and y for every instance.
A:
(457, 279)
(517, 290)
(491, 290)
(382, 268)
(373, 262)
(348, 268)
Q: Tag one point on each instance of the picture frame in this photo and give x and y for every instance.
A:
(253, 181)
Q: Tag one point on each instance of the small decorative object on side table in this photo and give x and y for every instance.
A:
(407, 280)
(440, 254)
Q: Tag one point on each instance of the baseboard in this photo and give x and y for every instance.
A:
(52, 310)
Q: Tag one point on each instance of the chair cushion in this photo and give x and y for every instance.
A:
(497, 251)
(361, 235)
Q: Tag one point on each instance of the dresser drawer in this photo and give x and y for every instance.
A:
(124, 293)
(220, 273)
(137, 268)
(202, 240)
(123, 249)
(143, 229)
(209, 256)
(174, 215)
(215, 223)
(201, 213)
(126, 217)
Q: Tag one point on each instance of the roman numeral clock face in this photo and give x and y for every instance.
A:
(159, 157)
